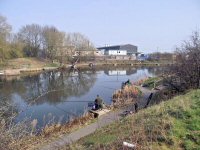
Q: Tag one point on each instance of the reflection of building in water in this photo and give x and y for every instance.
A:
(120, 72)
(131, 71)
(74, 74)
(116, 72)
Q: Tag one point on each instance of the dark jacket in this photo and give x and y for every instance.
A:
(99, 102)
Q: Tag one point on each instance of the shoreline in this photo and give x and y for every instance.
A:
(90, 126)
(16, 72)
(85, 65)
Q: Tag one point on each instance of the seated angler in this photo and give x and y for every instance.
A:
(98, 103)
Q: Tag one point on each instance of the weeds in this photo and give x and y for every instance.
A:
(22, 135)
(124, 96)
(11, 133)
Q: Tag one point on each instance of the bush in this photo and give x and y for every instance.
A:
(10, 132)
(186, 71)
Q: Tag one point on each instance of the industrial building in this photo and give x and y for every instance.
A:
(118, 50)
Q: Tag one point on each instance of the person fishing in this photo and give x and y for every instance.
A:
(98, 103)
(128, 82)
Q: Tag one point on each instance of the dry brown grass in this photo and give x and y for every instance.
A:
(68, 127)
(52, 132)
(127, 95)
(11, 133)
(22, 135)
(139, 82)
(19, 63)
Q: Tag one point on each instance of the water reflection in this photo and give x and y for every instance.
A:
(120, 71)
(65, 93)
(60, 84)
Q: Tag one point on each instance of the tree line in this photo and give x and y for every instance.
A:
(47, 42)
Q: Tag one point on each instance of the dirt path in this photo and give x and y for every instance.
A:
(102, 121)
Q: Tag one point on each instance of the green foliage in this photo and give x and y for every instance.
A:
(52, 65)
(151, 82)
(10, 52)
(14, 53)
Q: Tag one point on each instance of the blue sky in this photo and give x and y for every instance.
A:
(152, 25)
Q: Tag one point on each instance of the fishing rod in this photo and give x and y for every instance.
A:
(109, 88)
(76, 101)
(35, 99)
(43, 94)
(113, 81)
(65, 111)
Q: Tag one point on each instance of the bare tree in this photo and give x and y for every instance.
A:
(34, 40)
(161, 56)
(53, 42)
(80, 43)
(186, 71)
(5, 30)
(31, 36)
(16, 46)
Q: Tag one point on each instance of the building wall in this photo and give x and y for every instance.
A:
(131, 49)
(117, 52)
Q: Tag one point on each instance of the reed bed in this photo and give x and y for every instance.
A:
(128, 94)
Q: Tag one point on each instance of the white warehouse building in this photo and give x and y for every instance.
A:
(118, 50)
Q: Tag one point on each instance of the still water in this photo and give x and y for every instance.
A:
(59, 96)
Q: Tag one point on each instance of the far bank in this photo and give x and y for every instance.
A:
(33, 65)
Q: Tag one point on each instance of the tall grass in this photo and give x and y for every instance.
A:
(128, 94)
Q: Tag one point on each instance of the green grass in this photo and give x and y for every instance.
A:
(187, 127)
(52, 65)
(153, 81)
(173, 124)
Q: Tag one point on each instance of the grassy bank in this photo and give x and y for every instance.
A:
(174, 124)
(152, 82)
(29, 63)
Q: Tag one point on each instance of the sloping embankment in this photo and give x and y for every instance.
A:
(173, 124)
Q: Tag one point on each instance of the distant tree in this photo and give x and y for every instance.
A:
(36, 41)
(161, 56)
(5, 30)
(30, 35)
(80, 43)
(53, 42)
(16, 47)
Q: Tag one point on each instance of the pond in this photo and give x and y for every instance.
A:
(58, 96)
